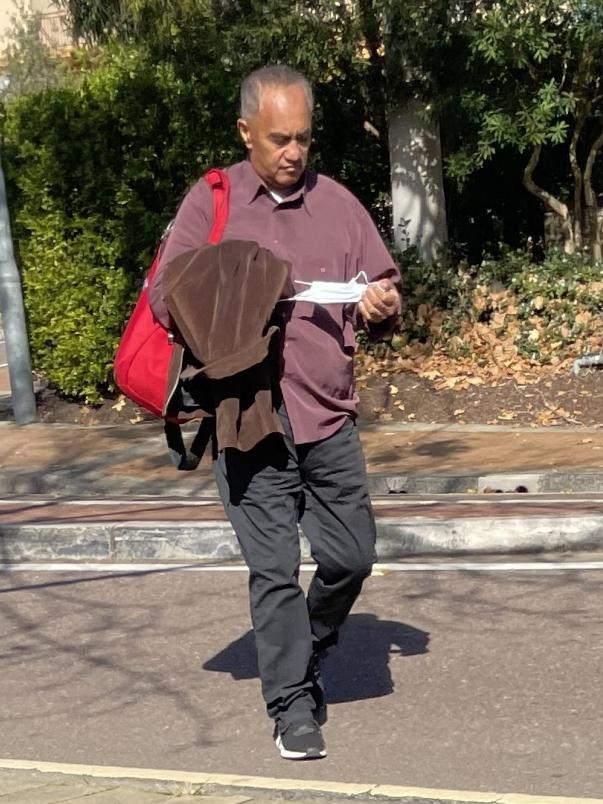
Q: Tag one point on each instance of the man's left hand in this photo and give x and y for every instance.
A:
(380, 301)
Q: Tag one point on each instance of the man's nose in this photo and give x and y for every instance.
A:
(293, 151)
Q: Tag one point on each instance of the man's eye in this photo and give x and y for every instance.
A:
(280, 141)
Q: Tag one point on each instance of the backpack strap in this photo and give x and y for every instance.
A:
(183, 458)
(220, 187)
(188, 459)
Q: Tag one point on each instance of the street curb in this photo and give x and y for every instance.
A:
(207, 783)
(215, 540)
(74, 482)
(538, 481)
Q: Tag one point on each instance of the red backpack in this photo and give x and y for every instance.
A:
(143, 356)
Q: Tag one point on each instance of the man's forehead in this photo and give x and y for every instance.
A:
(285, 131)
(280, 91)
(283, 100)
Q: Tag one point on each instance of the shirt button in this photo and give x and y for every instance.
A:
(323, 270)
(275, 241)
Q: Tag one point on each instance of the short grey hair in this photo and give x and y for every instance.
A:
(278, 75)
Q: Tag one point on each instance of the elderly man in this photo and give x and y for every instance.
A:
(315, 473)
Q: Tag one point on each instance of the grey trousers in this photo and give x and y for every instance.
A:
(266, 492)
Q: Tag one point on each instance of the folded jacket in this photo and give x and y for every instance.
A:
(221, 298)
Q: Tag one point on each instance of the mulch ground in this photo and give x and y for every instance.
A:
(553, 400)
(402, 396)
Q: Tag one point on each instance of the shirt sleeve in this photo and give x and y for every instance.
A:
(377, 263)
(189, 231)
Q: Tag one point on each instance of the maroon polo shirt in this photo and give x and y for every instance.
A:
(326, 234)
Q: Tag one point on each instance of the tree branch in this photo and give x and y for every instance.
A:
(573, 158)
(592, 155)
(590, 198)
(552, 203)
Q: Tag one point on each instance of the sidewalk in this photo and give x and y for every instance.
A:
(72, 460)
(80, 493)
(53, 783)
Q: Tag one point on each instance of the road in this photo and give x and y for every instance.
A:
(457, 680)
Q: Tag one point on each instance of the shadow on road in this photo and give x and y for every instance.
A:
(356, 669)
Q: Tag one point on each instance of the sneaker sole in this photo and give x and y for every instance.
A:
(315, 753)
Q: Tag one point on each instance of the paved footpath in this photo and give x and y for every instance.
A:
(132, 459)
(51, 783)
(469, 681)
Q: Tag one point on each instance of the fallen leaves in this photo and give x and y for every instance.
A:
(583, 317)
(538, 303)
(485, 352)
(498, 337)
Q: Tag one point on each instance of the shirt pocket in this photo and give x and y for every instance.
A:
(328, 268)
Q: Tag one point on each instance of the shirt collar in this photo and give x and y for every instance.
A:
(254, 187)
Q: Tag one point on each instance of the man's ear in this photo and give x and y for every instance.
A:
(244, 132)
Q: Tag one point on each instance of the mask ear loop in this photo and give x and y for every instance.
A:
(358, 275)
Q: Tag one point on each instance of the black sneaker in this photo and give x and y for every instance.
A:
(301, 741)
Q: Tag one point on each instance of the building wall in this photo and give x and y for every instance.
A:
(45, 7)
(6, 9)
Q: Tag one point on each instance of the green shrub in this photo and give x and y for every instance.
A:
(560, 299)
(76, 296)
(548, 310)
(96, 168)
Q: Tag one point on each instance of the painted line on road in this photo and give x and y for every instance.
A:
(378, 569)
(221, 782)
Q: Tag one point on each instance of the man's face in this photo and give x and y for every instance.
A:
(278, 137)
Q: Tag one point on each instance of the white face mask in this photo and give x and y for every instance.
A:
(332, 292)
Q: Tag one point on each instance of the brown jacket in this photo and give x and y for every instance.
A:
(221, 298)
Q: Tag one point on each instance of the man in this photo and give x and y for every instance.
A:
(315, 473)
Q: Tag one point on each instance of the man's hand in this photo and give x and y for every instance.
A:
(380, 301)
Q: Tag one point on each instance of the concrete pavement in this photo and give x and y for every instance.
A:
(57, 782)
(111, 493)
(77, 460)
(488, 681)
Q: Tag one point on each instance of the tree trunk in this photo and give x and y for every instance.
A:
(418, 203)
(377, 90)
(553, 204)
(590, 201)
(573, 158)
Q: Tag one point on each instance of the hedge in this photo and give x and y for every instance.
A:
(96, 169)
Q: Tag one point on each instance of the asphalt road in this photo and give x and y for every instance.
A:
(471, 681)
